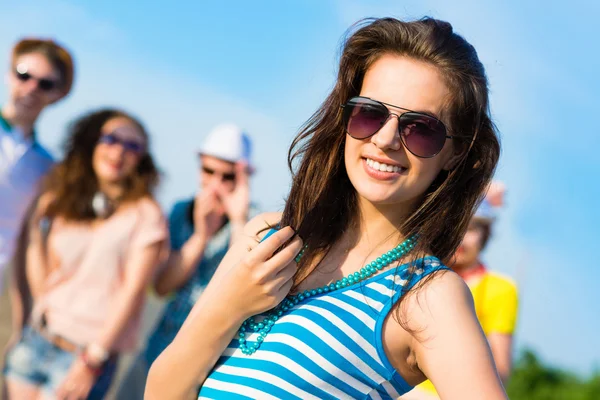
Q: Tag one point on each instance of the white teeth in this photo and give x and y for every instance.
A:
(382, 167)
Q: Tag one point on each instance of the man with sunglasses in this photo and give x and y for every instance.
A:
(41, 73)
(201, 231)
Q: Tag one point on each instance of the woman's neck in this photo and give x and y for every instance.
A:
(114, 191)
(378, 224)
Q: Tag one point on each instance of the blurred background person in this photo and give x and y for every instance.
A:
(40, 74)
(495, 296)
(201, 231)
(94, 242)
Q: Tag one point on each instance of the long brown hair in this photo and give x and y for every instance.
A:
(73, 182)
(323, 204)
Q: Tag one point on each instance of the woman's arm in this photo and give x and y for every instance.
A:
(35, 242)
(28, 268)
(139, 270)
(245, 284)
(447, 340)
(17, 312)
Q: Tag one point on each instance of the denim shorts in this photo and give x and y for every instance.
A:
(37, 362)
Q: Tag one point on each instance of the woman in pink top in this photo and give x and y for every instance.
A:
(89, 251)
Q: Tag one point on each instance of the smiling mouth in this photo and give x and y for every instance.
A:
(116, 166)
(382, 167)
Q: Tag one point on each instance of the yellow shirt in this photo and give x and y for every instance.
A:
(496, 303)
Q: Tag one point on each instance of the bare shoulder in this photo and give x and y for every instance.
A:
(261, 223)
(149, 207)
(149, 203)
(439, 300)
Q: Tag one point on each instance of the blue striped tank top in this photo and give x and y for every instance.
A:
(327, 347)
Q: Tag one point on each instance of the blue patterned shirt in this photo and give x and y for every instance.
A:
(181, 228)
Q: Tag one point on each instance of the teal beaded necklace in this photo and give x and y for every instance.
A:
(263, 327)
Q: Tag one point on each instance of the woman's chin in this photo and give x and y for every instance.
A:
(110, 179)
(378, 200)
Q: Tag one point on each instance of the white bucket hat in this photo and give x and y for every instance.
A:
(230, 143)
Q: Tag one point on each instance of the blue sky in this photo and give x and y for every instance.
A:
(267, 65)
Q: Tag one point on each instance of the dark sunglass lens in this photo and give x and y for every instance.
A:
(422, 135)
(365, 117)
(46, 84)
(108, 139)
(134, 147)
(229, 177)
(23, 76)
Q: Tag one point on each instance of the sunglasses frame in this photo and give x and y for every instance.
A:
(224, 177)
(42, 83)
(387, 118)
(123, 142)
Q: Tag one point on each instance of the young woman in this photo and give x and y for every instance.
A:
(389, 171)
(87, 255)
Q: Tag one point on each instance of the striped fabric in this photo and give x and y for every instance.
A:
(327, 347)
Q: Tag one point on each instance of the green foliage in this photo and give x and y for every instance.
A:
(531, 380)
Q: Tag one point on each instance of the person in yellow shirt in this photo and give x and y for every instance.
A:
(495, 296)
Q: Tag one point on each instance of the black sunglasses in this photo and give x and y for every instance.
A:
(229, 177)
(43, 83)
(128, 145)
(423, 135)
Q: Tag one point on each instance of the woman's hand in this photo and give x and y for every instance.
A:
(78, 382)
(252, 278)
(259, 279)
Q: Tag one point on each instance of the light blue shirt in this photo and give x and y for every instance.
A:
(23, 162)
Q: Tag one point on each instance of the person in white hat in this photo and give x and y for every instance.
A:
(201, 230)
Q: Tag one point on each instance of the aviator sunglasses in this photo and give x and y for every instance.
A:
(128, 145)
(43, 83)
(421, 134)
